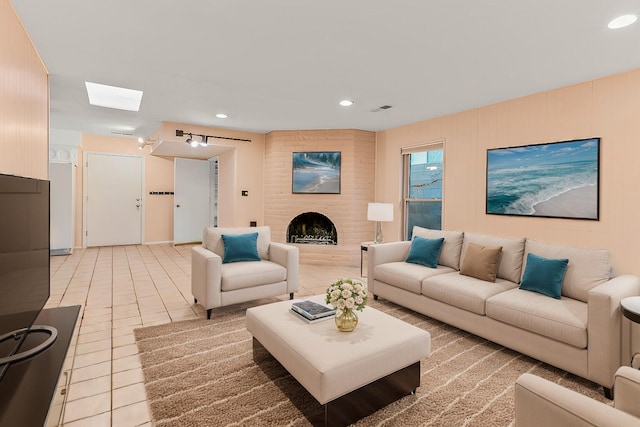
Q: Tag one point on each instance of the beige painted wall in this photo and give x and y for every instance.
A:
(606, 108)
(158, 177)
(239, 168)
(24, 101)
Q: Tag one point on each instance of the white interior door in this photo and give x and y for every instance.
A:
(113, 199)
(192, 197)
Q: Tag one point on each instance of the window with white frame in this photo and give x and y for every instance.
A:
(423, 168)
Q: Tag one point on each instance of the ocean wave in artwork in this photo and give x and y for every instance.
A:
(518, 190)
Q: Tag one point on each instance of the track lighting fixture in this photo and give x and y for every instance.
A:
(204, 138)
(194, 142)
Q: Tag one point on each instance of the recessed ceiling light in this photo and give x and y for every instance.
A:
(622, 21)
(346, 102)
(221, 116)
(113, 97)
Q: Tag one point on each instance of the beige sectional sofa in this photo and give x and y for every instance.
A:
(579, 332)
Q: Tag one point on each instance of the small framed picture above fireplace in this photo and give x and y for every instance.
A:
(316, 172)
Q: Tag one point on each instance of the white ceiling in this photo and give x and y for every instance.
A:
(285, 64)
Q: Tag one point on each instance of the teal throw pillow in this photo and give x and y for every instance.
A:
(544, 275)
(240, 247)
(425, 251)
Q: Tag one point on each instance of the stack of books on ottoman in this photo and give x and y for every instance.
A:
(312, 311)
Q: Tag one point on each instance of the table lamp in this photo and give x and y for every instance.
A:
(379, 212)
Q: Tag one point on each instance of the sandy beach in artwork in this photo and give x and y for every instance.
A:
(316, 180)
(324, 184)
(577, 203)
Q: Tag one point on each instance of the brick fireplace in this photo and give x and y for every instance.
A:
(347, 211)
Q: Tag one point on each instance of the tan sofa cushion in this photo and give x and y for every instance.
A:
(407, 276)
(247, 274)
(510, 265)
(587, 268)
(450, 251)
(563, 320)
(212, 238)
(481, 262)
(462, 291)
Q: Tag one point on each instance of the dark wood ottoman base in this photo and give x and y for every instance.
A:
(359, 403)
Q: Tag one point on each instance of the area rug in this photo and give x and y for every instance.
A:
(202, 373)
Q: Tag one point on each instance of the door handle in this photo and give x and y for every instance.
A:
(177, 206)
(138, 205)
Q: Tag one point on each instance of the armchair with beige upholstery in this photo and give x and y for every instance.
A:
(540, 402)
(215, 283)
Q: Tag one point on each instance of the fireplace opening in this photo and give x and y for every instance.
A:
(312, 228)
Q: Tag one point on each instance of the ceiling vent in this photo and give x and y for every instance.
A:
(383, 107)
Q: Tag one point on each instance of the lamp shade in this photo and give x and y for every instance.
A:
(380, 212)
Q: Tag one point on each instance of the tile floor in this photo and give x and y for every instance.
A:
(120, 289)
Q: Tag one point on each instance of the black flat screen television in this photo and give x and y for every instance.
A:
(24, 261)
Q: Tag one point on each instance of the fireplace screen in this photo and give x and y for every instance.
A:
(312, 228)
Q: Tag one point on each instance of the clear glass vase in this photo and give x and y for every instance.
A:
(347, 321)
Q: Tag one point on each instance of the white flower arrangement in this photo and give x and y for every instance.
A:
(347, 294)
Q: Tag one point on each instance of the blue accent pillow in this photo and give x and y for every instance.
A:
(240, 247)
(544, 275)
(425, 251)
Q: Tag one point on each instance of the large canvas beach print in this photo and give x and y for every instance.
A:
(557, 180)
(316, 172)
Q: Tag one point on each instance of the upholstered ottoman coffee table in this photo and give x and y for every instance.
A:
(351, 374)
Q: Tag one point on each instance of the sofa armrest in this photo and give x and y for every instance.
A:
(287, 256)
(627, 390)
(540, 402)
(205, 277)
(605, 326)
(383, 253)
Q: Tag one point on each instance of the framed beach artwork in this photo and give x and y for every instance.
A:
(316, 172)
(555, 180)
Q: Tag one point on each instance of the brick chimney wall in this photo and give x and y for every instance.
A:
(347, 210)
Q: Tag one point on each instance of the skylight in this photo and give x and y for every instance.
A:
(114, 97)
